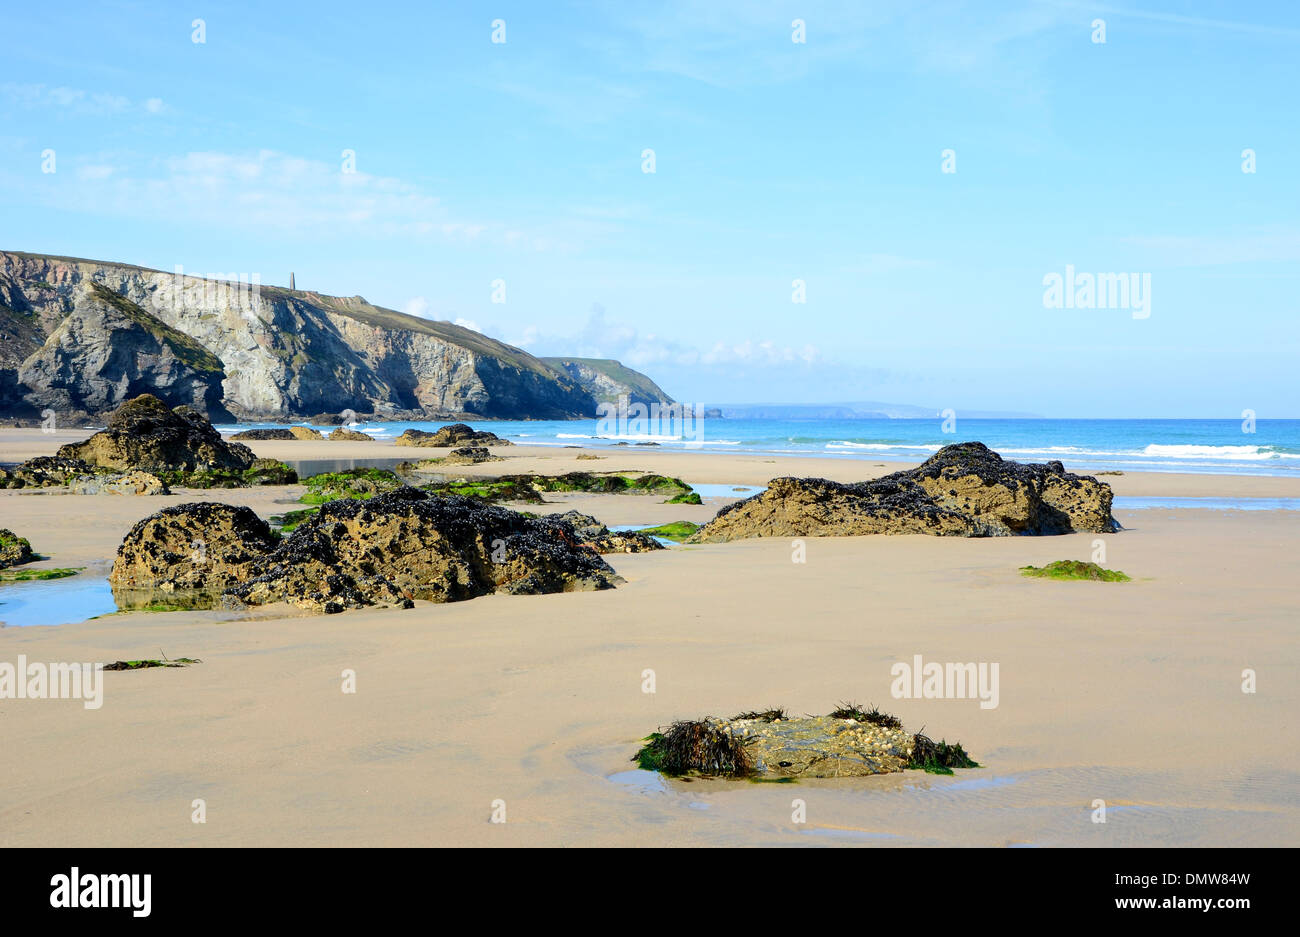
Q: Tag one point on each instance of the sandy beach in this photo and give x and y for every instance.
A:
(1126, 693)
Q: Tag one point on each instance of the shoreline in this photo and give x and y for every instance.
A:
(703, 467)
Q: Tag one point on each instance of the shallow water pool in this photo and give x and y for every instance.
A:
(55, 601)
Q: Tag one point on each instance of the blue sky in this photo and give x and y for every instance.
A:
(775, 161)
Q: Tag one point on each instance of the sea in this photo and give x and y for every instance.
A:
(1268, 447)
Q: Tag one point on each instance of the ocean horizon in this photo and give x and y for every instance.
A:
(1215, 446)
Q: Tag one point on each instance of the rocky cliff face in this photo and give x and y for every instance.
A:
(607, 380)
(81, 336)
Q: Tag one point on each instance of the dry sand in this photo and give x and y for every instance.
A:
(1127, 693)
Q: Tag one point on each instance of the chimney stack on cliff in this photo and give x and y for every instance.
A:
(291, 286)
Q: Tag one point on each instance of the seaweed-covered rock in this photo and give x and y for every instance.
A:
(603, 540)
(772, 746)
(189, 554)
(44, 472)
(144, 433)
(387, 551)
(349, 483)
(14, 550)
(470, 455)
(406, 545)
(127, 483)
(266, 434)
(964, 490)
(455, 434)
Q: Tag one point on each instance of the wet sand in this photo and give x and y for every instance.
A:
(1128, 693)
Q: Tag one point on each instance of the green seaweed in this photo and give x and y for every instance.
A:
(30, 575)
(146, 664)
(694, 747)
(676, 530)
(687, 497)
(872, 716)
(937, 757)
(1074, 570)
(357, 483)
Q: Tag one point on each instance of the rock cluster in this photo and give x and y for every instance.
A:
(964, 490)
(387, 550)
(80, 478)
(347, 434)
(144, 433)
(456, 434)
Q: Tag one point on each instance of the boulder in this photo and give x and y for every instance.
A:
(189, 555)
(345, 434)
(964, 490)
(603, 540)
(129, 483)
(772, 746)
(267, 434)
(146, 434)
(386, 551)
(14, 549)
(470, 455)
(455, 434)
(304, 432)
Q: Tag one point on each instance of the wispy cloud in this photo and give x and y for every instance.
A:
(75, 100)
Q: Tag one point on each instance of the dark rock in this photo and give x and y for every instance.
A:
(456, 434)
(146, 434)
(388, 550)
(964, 490)
(603, 540)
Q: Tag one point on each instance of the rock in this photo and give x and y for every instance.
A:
(349, 483)
(350, 435)
(964, 490)
(387, 551)
(470, 455)
(146, 434)
(14, 550)
(44, 472)
(130, 483)
(772, 746)
(267, 434)
(189, 555)
(456, 434)
(601, 539)
(304, 432)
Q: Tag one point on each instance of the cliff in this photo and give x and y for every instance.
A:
(82, 336)
(606, 380)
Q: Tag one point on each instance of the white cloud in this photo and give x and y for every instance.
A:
(268, 190)
(74, 100)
